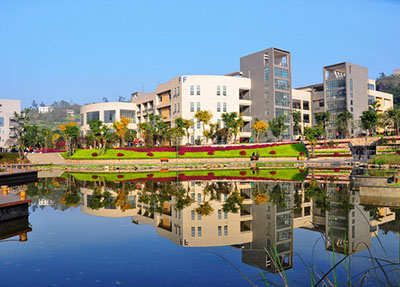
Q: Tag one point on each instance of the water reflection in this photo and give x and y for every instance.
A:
(257, 215)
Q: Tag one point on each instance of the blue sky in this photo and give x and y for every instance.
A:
(86, 50)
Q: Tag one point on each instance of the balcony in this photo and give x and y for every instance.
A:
(165, 224)
(245, 226)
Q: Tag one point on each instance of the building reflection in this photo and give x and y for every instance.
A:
(207, 213)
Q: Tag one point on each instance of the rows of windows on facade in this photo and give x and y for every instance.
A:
(198, 107)
(198, 89)
(219, 231)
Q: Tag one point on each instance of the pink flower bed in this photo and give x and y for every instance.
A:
(336, 154)
(272, 152)
(242, 173)
(50, 150)
(210, 153)
(242, 152)
(330, 147)
(181, 152)
(120, 154)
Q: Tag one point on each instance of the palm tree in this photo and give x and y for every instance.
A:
(343, 121)
(322, 119)
(204, 117)
(276, 125)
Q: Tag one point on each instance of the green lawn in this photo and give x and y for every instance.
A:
(292, 150)
(386, 159)
(277, 174)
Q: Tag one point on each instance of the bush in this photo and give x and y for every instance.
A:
(272, 172)
(120, 176)
(150, 154)
(243, 173)
(242, 152)
(95, 154)
(94, 176)
(302, 153)
(210, 153)
(120, 154)
(331, 143)
(181, 152)
(272, 152)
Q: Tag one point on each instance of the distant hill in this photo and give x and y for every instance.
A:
(60, 113)
(390, 84)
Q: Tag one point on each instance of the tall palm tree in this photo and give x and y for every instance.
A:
(343, 122)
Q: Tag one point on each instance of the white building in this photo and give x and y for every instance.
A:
(45, 109)
(7, 110)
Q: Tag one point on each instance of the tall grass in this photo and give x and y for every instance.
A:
(386, 159)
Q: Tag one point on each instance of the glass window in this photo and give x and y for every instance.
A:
(219, 213)
(199, 198)
(283, 235)
(266, 75)
(282, 99)
(226, 230)
(225, 215)
(224, 90)
(129, 114)
(371, 87)
(198, 216)
(306, 105)
(92, 116)
(306, 118)
(218, 107)
(218, 90)
(109, 116)
(199, 231)
(283, 112)
(283, 220)
(192, 195)
(351, 84)
(283, 73)
(193, 214)
(336, 95)
(191, 90)
(192, 141)
(198, 124)
(177, 93)
(193, 231)
(282, 84)
(224, 108)
(177, 108)
(321, 103)
(198, 106)
(192, 106)
(371, 100)
(335, 84)
(219, 230)
(198, 90)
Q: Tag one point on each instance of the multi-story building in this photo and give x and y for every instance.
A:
(7, 124)
(271, 93)
(301, 102)
(145, 105)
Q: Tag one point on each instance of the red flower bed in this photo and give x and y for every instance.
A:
(181, 152)
(50, 150)
(150, 175)
(120, 176)
(150, 154)
(120, 154)
(302, 153)
(336, 154)
(95, 154)
(336, 170)
(243, 173)
(301, 170)
(272, 152)
(94, 176)
(242, 152)
(210, 153)
(398, 152)
(210, 174)
(272, 172)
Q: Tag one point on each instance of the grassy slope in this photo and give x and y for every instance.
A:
(281, 174)
(281, 151)
(386, 159)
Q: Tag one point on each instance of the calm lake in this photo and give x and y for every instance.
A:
(203, 228)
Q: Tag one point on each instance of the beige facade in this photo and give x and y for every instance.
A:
(7, 110)
(301, 101)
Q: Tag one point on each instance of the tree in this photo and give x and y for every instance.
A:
(121, 128)
(259, 127)
(20, 124)
(392, 119)
(296, 118)
(312, 135)
(204, 117)
(187, 125)
(390, 84)
(45, 134)
(212, 133)
(369, 120)
(34, 105)
(343, 122)
(276, 125)
(233, 121)
(322, 119)
(71, 133)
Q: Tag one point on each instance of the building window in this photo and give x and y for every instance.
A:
(193, 214)
(218, 107)
(109, 116)
(266, 75)
(283, 73)
(191, 106)
(371, 100)
(306, 105)
(335, 84)
(224, 107)
(219, 230)
(198, 216)
(199, 231)
(371, 87)
(321, 103)
(306, 118)
(192, 139)
(193, 231)
(224, 90)
(351, 102)
(198, 124)
(282, 84)
(282, 99)
(198, 106)
(283, 112)
(199, 198)
(198, 90)
(351, 84)
(129, 114)
(92, 116)
(226, 230)
(174, 92)
(219, 214)
(218, 90)
(177, 105)
(192, 90)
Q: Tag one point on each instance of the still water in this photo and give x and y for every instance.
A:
(221, 228)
